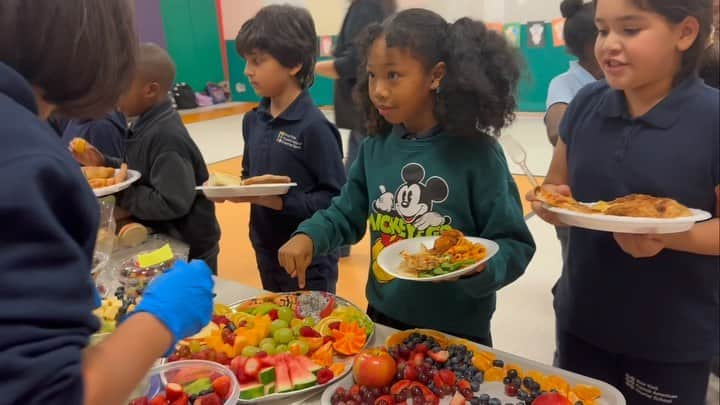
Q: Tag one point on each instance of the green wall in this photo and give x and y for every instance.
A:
(541, 65)
(193, 41)
(321, 91)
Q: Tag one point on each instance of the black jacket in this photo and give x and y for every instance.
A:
(160, 148)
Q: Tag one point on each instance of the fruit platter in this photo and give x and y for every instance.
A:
(426, 367)
(282, 345)
(191, 382)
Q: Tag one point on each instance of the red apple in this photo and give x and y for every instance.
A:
(551, 398)
(374, 368)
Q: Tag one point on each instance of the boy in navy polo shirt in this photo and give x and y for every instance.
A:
(287, 136)
(641, 311)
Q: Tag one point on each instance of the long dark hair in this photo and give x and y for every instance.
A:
(477, 94)
(80, 53)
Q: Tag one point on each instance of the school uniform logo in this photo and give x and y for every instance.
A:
(408, 212)
(289, 140)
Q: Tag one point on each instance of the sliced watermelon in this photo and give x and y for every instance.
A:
(300, 376)
(270, 389)
(282, 376)
(308, 364)
(252, 367)
(268, 361)
(267, 375)
(252, 391)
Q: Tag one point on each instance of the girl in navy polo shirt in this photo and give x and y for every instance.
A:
(641, 311)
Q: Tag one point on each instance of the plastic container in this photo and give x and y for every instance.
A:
(135, 278)
(154, 383)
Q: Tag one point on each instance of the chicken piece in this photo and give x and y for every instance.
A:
(447, 240)
(645, 206)
(562, 201)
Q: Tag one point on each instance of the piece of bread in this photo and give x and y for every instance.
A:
(132, 234)
(267, 179)
(220, 179)
(97, 172)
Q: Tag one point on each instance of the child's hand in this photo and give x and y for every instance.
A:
(85, 153)
(296, 255)
(182, 298)
(640, 246)
(537, 205)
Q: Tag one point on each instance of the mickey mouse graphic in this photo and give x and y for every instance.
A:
(414, 199)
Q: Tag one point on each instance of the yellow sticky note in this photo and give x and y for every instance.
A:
(155, 257)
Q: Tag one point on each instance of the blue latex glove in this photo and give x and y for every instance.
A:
(182, 299)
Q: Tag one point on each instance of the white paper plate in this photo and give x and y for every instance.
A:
(133, 176)
(255, 190)
(390, 258)
(613, 223)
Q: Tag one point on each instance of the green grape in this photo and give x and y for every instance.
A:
(286, 314)
(278, 324)
(304, 348)
(250, 351)
(309, 321)
(268, 347)
(296, 330)
(267, 340)
(281, 349)
(284, 335)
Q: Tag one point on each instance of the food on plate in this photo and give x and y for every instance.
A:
(645, 206)
(135, 277)
(450, 252)
(633, 205)
(266, 179)
(374, 368)
(220, 179)
(453, 370)
(78, 145)
(202, 388)
(112, 310)
(562, 201)
(132, 234)
(99, 177)
(274, 344)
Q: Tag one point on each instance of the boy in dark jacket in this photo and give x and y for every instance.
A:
(159, 147)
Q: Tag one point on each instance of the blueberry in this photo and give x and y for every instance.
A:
(516, 382)
(512, 373)
(527, 382)
(498, 363)
(454, 360)
(479, 377)
(474, 401)
(436, 348)
(494, 401)
(506, 381)
(473, 369)
(484, 397)
(535, 386)
(475, 386)
(462, 367)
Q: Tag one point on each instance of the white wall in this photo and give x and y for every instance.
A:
(490, 10)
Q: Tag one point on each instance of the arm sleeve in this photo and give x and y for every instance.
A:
(323, 158)
(345, 221)
(245, 173)
(169, 193)
(46, 292)
(500, 218)
(347, 62)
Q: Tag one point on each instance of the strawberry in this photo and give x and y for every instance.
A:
(334, 326)
(440, 357)
(324, 375)
(209, 399)
(237, 363)
(183, 400)
(252, 367)
(385, 400)
(222, 358)
(173, 391)
(439, 381)
(399, 386)
(410, 373)
(355, 389)
(273, 314)
(418, 359)
(458, 399)
(432, 399)
(421, 348)
(328, 339)
(140, 401)
(222, 386)
(463, 384)
(158, 400)
(447, 376)
(309, 332)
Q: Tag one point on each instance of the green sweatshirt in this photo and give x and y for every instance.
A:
(410, 188)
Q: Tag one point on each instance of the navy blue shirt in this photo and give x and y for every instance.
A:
(663, 308)
(107, 134)
(302, 144)
(49, 220)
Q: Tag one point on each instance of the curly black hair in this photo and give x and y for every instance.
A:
(675, 11)
(288, 34)
(477, 96)
(580, 30)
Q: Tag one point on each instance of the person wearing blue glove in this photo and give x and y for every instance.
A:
(54, 58)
